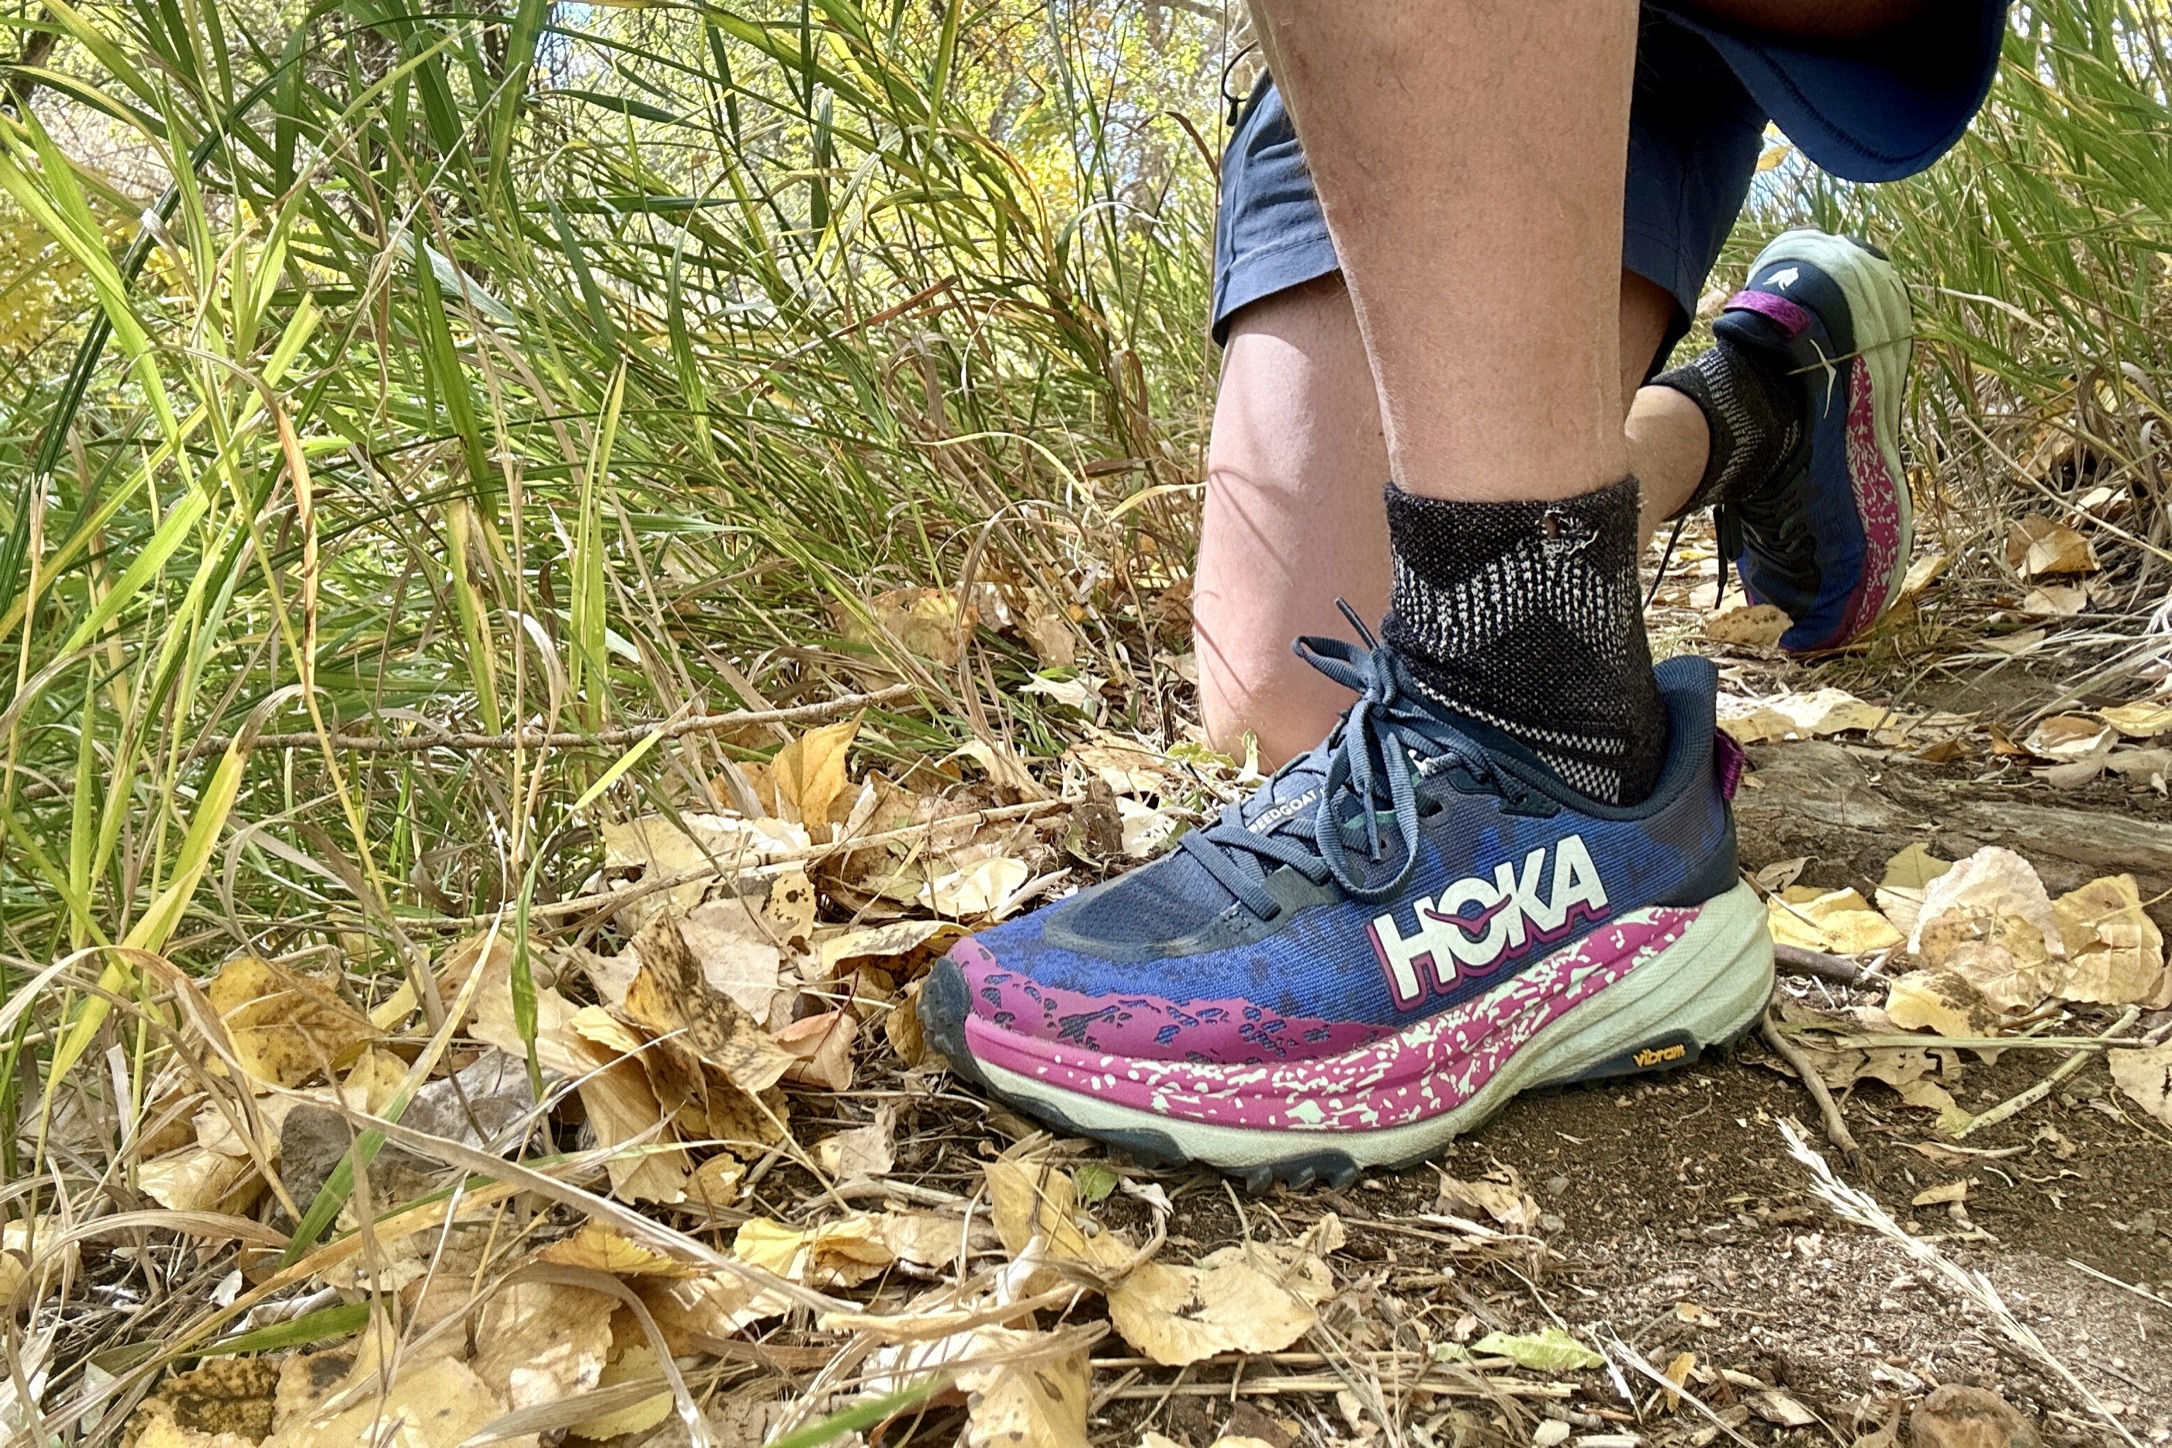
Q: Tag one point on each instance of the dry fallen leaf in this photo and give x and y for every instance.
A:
(1944, 1192)
(198, 1179)
(601, 1248)
(1922, 573)
(1802, 716)
(635, 1364)
(904, 948)
(1989, 920)
(1913, 868)
(1919, 1075)
(1030, 1199)
(1942, 1002)
(223, 1403)
(1839, 922)
(978, 889)
(1006, 768)
(1778, 1408)
(2152, 765)
(2038, 546)
(924, 621)
(1780, 874)
(1678, 1371)
(1129, 770)
(623, 1110)
(285, 1027)
(1907, 875)
(706, 1312)
(2115, 952)
(809, 775)
(439, 1403)
(1145, 830)
(27, 1252)
(1238, 1299)
(863, 1151)
(2068, 737)
(491, 949)
(670, 996)
(1505, 1201)
(2015, 644)
(1026, 1390)
(843, 1253)
(1052, 637)
(738, 958)
(926, 1239)
(539, 1342)
(2143, 719)
(704, 845)
(2056, 600)
(1022, 1388)
(820, 1048)
(901, 1027)
(1756, 625)
(710, 1064)
(162, 1432)
(1079, 692)
(2146, 1076)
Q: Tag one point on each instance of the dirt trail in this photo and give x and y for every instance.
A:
(1681, 1225)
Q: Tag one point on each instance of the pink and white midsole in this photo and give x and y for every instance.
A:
(1704, 972)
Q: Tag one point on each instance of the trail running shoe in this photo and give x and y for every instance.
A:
(1395, 935)
(1828, 539)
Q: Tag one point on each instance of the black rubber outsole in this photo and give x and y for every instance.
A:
(944, 1006)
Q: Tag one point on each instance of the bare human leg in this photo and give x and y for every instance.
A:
(1293, 521)
(1290, 521)
(1479, 233)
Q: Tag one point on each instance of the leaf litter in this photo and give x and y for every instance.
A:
(686, 1065)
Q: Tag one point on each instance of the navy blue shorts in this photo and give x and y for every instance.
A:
(1701, 100)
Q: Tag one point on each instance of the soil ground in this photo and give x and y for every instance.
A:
(1678, 1222)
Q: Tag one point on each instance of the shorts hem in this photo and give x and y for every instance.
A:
(1264, 271)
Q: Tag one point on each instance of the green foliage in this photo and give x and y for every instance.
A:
(553, 365)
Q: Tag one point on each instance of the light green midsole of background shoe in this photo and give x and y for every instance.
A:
(1884, 339)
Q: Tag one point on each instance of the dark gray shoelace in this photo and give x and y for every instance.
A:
(1369, 759)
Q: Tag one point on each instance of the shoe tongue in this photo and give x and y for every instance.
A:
(1292, 794)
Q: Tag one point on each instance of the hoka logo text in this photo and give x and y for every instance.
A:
(1478, 922)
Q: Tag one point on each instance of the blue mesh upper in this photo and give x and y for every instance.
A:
(1172, 931)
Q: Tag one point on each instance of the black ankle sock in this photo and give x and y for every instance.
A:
(1527, 617)
(1752, 409)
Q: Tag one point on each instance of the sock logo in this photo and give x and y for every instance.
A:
(1451, 939)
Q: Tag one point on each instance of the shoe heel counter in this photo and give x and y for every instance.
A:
(1704, 813)
(1716, 871)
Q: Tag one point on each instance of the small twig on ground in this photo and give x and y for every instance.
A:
(1860, 1208)
(2116, 1282)
(2014, 1105)
(1618, 1351)
(1330, 1383)
(871, 1189)
(1924, 1040)
(1836, 1127)
(1799, 960)
(671, 729)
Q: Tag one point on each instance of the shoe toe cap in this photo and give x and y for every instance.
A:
(946, 1000)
